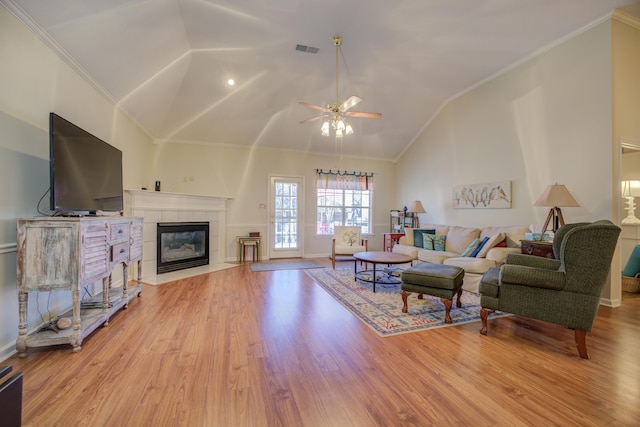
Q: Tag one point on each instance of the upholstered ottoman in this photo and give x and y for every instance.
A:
(438, 280)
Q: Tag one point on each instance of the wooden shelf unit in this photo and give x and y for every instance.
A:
(56, 253)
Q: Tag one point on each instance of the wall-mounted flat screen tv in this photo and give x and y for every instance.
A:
(86, 172)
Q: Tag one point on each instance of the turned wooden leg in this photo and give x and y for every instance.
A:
(581, 342)
(405, 295)
(447, 306)
(458, 303)
(484, 313)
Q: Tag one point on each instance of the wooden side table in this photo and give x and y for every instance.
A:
(248, 241)
(390, 239)
(537, 248)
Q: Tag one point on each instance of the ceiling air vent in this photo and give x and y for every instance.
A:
(308, 49)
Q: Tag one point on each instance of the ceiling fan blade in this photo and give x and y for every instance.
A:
(349, 103)
(363, 115)
(315, 107)
(312, 119)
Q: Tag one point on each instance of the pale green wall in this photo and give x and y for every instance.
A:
(33, 82)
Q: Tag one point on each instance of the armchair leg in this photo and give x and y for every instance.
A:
(484, 313)
(581, 343)
(333, 261)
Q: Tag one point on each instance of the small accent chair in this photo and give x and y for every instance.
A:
(346, 242)
(566, 290)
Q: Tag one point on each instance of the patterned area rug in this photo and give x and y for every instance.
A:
(285, 265)
(382, 310)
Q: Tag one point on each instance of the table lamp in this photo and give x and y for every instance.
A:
(416, 208)
(555, 196)
(630, 190)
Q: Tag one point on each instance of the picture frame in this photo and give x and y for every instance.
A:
(490, 195)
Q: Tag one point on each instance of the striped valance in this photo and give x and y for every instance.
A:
(344, 180)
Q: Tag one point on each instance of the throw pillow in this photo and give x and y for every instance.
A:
(502, 244)
(350, 238)
(472, 247)
(427, 243)
(417, 236)
(480, 246)
(492, 242)
(438, 241)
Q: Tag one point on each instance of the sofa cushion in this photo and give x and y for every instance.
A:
(499, 255)
(438, 243)
(436, 257)
(491, 242)
(512, 233)
(459, 238)
(405, 249)
(470, 264)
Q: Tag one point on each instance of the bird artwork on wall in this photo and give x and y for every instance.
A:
(493, 195)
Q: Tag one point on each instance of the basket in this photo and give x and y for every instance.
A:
(631, 284)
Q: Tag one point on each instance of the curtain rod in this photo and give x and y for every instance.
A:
(339, 172)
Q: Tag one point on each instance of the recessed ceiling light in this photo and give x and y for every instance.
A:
(231, 82)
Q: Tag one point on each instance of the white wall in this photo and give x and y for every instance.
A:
(548, 120)
(33, 82)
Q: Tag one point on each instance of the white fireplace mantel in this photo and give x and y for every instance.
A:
(160, 206)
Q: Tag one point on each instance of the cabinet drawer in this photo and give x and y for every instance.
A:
(120, 231)
(120, 252)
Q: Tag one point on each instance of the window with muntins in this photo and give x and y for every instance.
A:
(343, 198)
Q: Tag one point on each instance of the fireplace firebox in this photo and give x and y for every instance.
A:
(182, 245)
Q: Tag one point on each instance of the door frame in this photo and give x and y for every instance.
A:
(280, 253)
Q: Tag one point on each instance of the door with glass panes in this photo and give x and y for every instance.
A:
(286, 220)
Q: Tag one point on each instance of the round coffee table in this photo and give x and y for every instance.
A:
(379, 257)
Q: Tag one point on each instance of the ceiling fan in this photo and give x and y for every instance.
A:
(335, 114)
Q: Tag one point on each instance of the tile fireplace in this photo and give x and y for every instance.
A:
(161, 207)
(181, 245)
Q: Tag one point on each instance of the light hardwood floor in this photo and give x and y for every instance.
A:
(236, 348)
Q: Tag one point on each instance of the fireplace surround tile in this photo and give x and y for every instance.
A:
(155, 206)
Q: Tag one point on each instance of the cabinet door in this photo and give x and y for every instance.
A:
(95, 250)
(48, 259)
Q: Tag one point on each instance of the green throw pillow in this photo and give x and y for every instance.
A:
(418, 241)
(437, 241)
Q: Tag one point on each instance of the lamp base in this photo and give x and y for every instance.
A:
(631, 216)
(631, 219)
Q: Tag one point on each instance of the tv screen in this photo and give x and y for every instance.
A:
(86, 172)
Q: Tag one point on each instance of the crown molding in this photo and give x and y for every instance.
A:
(626, 18)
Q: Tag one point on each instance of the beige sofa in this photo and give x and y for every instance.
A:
(457, 240)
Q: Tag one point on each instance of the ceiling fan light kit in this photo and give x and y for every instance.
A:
(335, 114)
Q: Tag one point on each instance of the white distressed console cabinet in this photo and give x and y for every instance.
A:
(56, 253)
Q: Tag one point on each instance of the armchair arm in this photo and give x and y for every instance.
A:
(365, 243)
(534, 277)
(533, 261)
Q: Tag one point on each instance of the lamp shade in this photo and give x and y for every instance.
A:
(416, 207)
(556, 195)
(630, 188)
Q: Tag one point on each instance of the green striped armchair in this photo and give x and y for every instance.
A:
(566, 290)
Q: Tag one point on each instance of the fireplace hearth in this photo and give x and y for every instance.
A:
(182, 245)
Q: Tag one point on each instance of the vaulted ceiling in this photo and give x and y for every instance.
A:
(166, 62)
